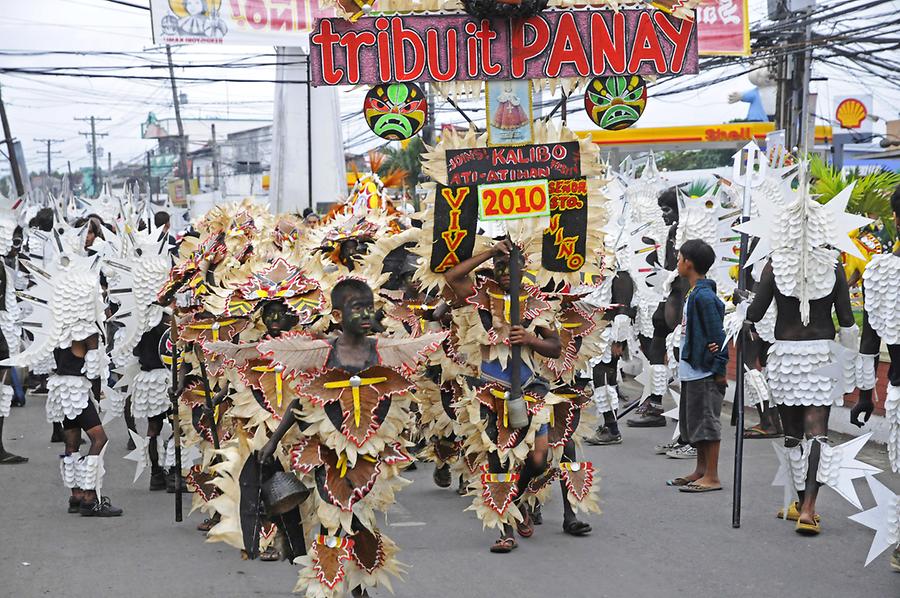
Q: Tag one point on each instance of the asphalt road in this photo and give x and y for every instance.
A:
(650, 540)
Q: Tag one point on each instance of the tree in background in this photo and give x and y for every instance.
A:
(404, 159)
(694, 159)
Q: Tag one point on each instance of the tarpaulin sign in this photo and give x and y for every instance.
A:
(723, 28)
(245, 22)
(501, 164)
(565, 239)
(455, 225)
(509, 201)
(442, 48)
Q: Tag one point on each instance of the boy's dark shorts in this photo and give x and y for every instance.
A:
(700, 410)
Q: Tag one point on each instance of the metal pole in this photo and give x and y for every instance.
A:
(309, 132)
(13, 161)
(747, 161)
(176, 420)
(185, 175)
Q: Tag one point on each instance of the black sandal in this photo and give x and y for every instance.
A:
(577, 528)
(504, 545)
(11, 459)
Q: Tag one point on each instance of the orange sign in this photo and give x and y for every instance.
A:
(732, 132)
(509, 201)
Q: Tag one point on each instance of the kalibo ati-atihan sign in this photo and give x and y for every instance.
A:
(441, 48)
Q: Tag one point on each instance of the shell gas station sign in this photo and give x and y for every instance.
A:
(851, 112)
(692, 137)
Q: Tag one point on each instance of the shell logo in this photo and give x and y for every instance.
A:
(850, 113)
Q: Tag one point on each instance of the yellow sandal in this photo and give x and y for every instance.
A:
(793, 513)
(808, 529)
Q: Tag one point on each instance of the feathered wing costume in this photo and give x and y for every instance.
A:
(479, 339)
(347, 450)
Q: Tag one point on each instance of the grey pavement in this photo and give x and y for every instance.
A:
(650, 540)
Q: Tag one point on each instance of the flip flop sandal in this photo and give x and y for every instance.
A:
(504, 545)
(10, 459)
(678, 482)
(207, 525)
(577, 528)
(693, 488)
(757, 432)
(525, 527)
(808, 529)
(270, 554)
(793, 513)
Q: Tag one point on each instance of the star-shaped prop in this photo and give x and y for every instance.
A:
(139, 455)
(845, 222)
(673, 413)
(838, 467)
(783, 476)
(884, 518)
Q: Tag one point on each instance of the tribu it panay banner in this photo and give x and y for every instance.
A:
(441, 48)
(244, 22)
(723, 28)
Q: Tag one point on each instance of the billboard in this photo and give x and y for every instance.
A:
(243, 22)
(723, 27)
(458, 47)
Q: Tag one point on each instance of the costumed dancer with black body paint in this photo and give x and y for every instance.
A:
(67, 295)
(805, 279)
(881, 283)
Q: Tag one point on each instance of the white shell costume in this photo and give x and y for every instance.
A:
(882, 283)
(144, 270)
(800, 234)
(68, 307)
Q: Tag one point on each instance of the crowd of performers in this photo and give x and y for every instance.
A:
(313, 364)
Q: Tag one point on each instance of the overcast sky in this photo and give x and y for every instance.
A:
(45, 106)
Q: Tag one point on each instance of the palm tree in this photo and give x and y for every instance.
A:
(407, 160)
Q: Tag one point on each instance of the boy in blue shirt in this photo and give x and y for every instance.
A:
(701, 367)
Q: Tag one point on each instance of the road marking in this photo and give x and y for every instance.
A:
(408, 524)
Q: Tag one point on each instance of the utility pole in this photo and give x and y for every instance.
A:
(149, 178)
(11, 151)
(95, 175)
(185, 175)
(109, 163)
(215, 148)
(49, 142)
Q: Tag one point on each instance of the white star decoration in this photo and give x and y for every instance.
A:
(783, 475)
(673, 413)
(845, 222)
(883, 518)
(139, 455)
(836, 369)
(849, 468)
(762, 226)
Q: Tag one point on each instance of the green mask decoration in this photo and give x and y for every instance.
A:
(395, 111)
(615, 103)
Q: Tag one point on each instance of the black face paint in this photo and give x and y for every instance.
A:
(358, 315)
